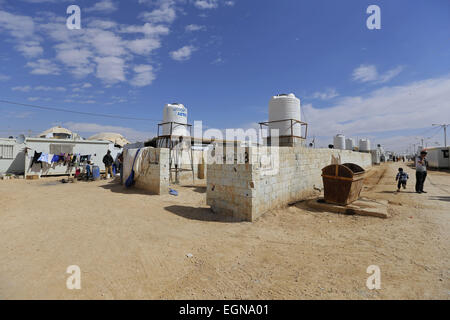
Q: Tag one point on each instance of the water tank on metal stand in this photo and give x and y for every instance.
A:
(284, 107)
(175, 112)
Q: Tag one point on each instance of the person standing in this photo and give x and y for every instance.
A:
(120, 160)
(108, 161)
(421, 171)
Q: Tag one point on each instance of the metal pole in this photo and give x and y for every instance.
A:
(445, 135)
(445, 132)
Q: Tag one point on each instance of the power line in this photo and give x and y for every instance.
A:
(77, 112)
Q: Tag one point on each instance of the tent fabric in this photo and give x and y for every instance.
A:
(115, 138)
(55, 130)
(141, 165)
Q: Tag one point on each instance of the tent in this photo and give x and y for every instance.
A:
(56, 132)
(115, 138)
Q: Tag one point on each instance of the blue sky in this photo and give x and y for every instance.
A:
(224, 60)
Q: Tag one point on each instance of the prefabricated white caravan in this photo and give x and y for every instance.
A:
(95, 149)
(12, 156)
(438, 157)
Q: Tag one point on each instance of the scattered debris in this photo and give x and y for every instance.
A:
(173, 192)
(189, 255)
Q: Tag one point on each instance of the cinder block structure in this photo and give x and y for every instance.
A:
(152, 166)
(152, 172)
(271, 177)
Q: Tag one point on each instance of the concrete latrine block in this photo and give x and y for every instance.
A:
(287, 175)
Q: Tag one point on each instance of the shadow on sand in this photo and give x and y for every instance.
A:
(200, 214)
(115, 186)
(396, 192)
(441, 198)
(199, 189)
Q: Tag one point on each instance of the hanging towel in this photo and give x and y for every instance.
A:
(43, 157)
(50, 158)
(130, 180)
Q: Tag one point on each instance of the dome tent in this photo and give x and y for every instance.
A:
(57, 133)
(115, 138)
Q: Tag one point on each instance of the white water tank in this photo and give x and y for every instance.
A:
(175, 112)
(283, 107)
(349, 143)
(339, 141)
(364, 145)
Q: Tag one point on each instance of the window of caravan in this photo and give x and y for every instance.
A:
(6, 151)
(61, 148)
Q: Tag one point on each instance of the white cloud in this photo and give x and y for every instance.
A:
(102, 24)
(369, 73)
(106, 43)
(30, 49)
(164, 14)
(22, 30)
(111, 69)
(18, 26)
(4, 77)
(206, 4)
(144, 46)
(411, 106)
(183, 53)
(194, 27)
(90, 51)
(104, 6)
(44, 88)
(43, 67)
(219, 60)
(147, 29)
(22, 88)
(86, 85)
(229, 3)
(38, 88)
(325, 95)
(144, 75)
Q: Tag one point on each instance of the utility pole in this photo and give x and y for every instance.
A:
(444, 125)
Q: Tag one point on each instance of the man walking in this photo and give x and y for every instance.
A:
(108, 161)
(421, 171)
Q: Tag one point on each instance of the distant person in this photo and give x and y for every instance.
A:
(421, 171)
(402, 178)
(88, 171)
(108, 161)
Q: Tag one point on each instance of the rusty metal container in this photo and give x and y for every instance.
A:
(342, 183)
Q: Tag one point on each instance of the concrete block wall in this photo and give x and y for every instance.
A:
(185, 177)
(153, 173)
(274, 177)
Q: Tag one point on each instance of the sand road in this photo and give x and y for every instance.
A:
(131, 245)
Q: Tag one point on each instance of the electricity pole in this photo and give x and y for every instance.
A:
(444, 125)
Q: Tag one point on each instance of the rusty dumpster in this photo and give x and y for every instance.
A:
(342, 183)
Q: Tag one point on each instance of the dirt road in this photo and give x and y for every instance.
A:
(130, 245)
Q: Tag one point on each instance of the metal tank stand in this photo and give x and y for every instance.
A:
(176, 145)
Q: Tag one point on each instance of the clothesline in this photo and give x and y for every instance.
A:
(66, 158)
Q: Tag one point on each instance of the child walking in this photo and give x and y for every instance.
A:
(402, 178)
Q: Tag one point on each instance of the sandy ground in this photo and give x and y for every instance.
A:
(130, 245)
